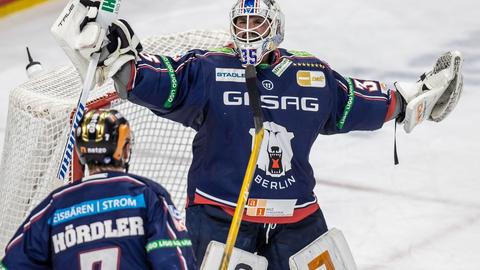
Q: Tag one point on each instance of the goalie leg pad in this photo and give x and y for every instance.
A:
(240, 259)
(329, 250)
(276, 243)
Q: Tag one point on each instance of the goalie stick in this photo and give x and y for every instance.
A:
(107, 13)
(254, 97)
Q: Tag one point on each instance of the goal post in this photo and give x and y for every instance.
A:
(39, 117)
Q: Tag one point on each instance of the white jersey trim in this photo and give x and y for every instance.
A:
(213, 198)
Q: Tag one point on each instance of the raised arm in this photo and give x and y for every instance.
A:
(173, 88)
(367, 104)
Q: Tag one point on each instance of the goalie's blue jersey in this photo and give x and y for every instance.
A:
(301, 98)
(106, 221)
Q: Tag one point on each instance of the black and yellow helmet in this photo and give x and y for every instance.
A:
(101, 137)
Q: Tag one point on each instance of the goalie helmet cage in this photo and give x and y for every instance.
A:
(39, 116)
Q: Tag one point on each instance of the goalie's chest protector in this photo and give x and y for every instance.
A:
(296, 102)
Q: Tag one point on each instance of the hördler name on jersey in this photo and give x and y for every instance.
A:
(109, 228)
(229, 75)
(272, 102)
(307, 78)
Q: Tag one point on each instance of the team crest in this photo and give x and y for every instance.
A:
(276, 151)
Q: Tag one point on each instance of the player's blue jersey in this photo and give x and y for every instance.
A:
(301, 97)
(106, 221)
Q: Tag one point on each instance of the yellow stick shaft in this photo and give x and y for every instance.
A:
(242, 200)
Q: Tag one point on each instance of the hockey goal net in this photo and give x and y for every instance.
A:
(38, 122)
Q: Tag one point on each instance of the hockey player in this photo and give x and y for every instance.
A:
(302, 97)
(108, 220)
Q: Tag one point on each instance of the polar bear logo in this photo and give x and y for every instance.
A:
(276, 151)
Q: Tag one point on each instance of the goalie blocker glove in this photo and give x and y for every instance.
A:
(435, 95)
(79, 35)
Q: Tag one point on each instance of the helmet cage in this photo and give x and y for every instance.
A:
(252, 45)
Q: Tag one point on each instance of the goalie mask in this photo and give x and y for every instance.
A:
(101, 138)
(257, 28)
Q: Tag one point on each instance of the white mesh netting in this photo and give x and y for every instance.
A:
(38, 123)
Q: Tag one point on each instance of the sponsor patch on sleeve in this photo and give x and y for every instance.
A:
(173, 83)
(168, 243)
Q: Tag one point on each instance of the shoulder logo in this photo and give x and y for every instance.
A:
(229, 75)
(281, 67)
(226, 50)
(307, 78)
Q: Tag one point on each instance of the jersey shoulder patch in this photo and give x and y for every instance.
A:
(225, 50)
(300, 53)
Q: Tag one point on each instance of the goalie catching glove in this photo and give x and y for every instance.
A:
(435, 95)
(80, 36)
